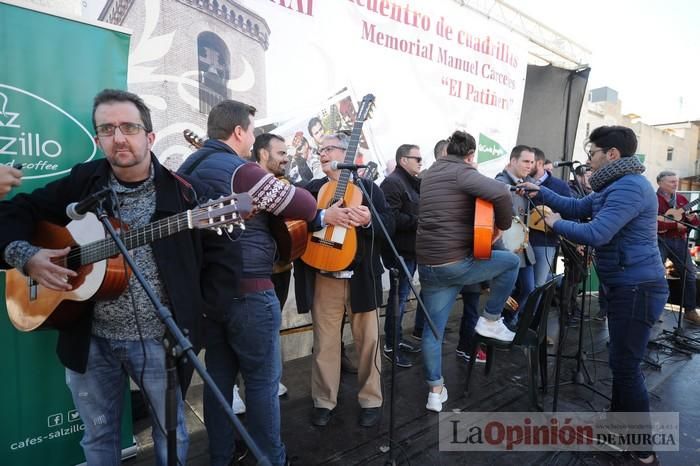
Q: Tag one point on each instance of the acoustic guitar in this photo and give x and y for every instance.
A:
(102, 273)
(535, 221)
(333, 248)
(483, 229)
(678, 213)
(290, 235)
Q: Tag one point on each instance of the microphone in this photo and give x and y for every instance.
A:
(565, 163)
(335, 165)
(77, 210)
(518, 188)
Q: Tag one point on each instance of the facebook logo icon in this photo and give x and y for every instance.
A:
(55, 420)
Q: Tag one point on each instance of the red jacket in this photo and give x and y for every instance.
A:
(668, 228)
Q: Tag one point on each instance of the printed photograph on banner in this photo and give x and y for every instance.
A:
(303, 136)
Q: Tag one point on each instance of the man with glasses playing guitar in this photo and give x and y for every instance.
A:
(117, 334)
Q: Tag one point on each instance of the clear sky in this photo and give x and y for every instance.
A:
(647, 50)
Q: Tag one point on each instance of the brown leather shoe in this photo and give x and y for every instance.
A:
(692, 316)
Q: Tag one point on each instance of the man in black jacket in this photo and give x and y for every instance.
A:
(402, 192)
(357, 291)
(118, 337)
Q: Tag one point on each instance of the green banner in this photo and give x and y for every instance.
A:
(52, 67)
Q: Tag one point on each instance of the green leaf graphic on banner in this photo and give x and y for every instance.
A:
(488, 149)
(40, 135)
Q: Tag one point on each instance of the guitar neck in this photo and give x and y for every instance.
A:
(102, 249)
(350, 154)
(690, 205)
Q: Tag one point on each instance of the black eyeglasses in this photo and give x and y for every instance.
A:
(323, 150)
(127, 129)
(417, 159)
(592, 152)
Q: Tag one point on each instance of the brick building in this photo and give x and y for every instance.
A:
(187, 55)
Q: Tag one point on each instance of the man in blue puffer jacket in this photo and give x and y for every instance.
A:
(623, 210)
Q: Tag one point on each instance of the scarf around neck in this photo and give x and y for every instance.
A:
(615, 170)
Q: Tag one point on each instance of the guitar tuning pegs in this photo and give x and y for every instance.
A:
(230, 228)
(218, 231)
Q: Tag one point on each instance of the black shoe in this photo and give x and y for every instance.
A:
(321, 416)
(409, 348)
(401, 360)
(346, 364)
(635, 459)
(240, 453)
(370, 416)
(417, 334)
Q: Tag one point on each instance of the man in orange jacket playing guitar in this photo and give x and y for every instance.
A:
(672, 237)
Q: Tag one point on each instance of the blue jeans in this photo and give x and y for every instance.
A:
(420, 318)
(470, 315)
(248, 341)
(440, 285)
(544, 257)
(526, 284)
(99, 393)
(404, 289)
(632, 312)
(675, 249)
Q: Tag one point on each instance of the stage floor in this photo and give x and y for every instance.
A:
(673, 388)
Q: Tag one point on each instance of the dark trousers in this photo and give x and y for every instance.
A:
(632, 312)
(676, 250)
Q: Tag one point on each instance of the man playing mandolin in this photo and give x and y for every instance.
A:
(672, 236)
(117, 336)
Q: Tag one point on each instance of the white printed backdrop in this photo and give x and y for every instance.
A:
(433, 66)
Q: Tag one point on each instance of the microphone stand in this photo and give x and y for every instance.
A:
(677, 336)
(176, 345)
(581, 377)
(377, 220)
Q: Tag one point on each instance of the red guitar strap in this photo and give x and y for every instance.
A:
(189, 189)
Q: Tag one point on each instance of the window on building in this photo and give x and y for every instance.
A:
(214, 70)
(588, 129)
(669, 154)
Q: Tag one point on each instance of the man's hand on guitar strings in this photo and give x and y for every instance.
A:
(337, 215)
(359, 216)
(551, 219)
(44, 269)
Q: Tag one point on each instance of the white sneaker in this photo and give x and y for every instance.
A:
(282, 389)
(495, 329)
(238, 406)
(435, 400)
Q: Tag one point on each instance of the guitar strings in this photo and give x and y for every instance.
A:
(101, 249)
